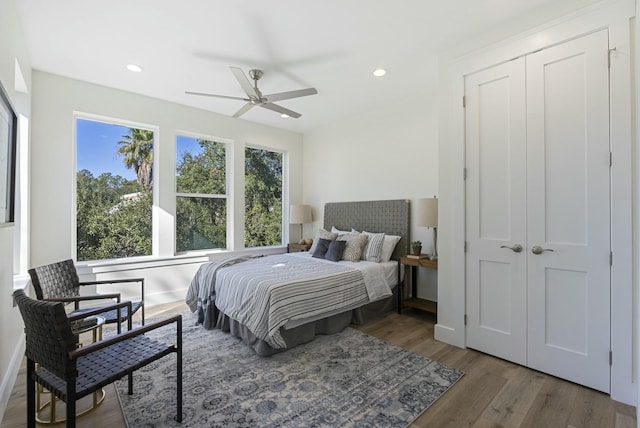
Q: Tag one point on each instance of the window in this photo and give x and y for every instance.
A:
(263, 197)
(201, 189)
(114, 184)
(8, 141)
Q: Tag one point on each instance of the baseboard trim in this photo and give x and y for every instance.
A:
(152, 299)
(448, 335)
(9, 379)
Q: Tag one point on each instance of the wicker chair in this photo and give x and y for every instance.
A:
(59, 282)
(71, 373)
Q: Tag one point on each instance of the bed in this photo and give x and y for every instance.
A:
(277, 302)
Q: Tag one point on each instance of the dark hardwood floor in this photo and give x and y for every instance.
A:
(493, 393)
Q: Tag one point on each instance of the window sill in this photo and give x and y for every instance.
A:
(21, 282)
(119, 265)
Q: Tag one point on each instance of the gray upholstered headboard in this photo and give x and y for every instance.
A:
(390, 217)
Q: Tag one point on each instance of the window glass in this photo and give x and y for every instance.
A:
(263, 198)
(114, 185)
(201, 187)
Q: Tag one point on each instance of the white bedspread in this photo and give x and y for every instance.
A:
(265, 293)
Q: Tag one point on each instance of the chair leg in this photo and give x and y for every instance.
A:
(71, 402)
(179, 385)
(130, 383)
(31, 394)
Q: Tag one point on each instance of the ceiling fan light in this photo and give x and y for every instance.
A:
(379, 72)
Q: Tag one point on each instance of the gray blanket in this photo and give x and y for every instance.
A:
(201, 295)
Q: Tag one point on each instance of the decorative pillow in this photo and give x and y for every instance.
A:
(390, 242)
(322, 234)
(373, 249)
(334, 253)
(354, 245)
(321, 248)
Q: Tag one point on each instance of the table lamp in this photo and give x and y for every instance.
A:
(300, 214)
(427, 216)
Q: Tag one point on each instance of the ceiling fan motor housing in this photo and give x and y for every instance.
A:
(255, 74)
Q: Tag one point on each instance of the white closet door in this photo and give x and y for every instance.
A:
(568, 210)
(496, 211)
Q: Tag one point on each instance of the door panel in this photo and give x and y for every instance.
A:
(496, 277)
(568, 205)
(494, 292)
(565, 329)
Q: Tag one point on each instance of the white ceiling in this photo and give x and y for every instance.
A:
(332, 45)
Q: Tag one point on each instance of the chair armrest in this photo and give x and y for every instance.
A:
(121, 281)
(129, 334)
(100, 310)
(112, 281)
(83, 298)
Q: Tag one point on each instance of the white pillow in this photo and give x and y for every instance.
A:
(342, 232)
(373, 249)
(390, 242)
(322, 234)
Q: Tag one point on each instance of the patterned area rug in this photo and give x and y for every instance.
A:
(346, 379)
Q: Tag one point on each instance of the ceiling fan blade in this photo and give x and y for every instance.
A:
(291, 94)
(244, 82)
(216, 96)
(245, 108)
(281, 110)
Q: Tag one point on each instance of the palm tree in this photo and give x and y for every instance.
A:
(137, 149)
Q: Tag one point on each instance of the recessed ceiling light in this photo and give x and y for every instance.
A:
(379, 72)
(284, 116)
(134, 68)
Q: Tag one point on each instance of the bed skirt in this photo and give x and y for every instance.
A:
(307, 332)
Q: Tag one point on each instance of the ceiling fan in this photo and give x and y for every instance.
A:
(255, 96)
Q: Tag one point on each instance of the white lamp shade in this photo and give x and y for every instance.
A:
(427, 212)
(299, 214)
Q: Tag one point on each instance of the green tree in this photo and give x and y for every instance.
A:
(108, 224)
(201, 222)
(137, 149)
(263, 198)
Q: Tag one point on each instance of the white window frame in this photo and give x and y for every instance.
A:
(284, 220)
(74, 195)
(228, 150)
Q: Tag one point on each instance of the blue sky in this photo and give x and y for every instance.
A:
(97, 148)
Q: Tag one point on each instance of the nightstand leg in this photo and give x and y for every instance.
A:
(400, 287)
(414, 282)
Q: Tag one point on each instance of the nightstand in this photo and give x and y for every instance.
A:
(414, 301)
(294, 248)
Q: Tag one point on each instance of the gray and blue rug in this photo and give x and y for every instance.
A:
(342, 380)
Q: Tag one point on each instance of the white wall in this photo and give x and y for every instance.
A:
(388, 152)
(12, 51)
(56, 99)
(615, 16)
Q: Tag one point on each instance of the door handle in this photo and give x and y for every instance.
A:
(539, 250)
(516, 248)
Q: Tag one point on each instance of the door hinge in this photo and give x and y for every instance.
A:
(610, 258)
(464, 173)
(610, 158)
(464, 101)
(610, 358)
(465, 246)
(465, 319)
